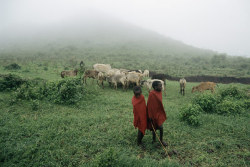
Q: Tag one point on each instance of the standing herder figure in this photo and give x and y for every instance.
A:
(155, 110)
(140, 114)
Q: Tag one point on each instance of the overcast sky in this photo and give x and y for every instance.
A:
(219, 25)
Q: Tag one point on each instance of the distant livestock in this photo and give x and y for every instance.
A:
(69, 73)
(182, 86)
(102, 67)
(137, 71)
(101, 78)
(117, 78)
(146, 73)
(134, 78)
(148, 84)
(90, 74)
(162, 77)
(204, 86)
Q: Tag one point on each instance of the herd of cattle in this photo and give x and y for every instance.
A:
(126, 78)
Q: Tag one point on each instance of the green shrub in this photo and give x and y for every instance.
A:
(230, 107)
(233, 92)
(206, 101)
(190, 114)
(67, 91)
(13, 66)
(29, 92)
(10, 82)
(34, 105)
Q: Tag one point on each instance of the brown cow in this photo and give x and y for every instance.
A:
(182, 86)
(204, 86)
(69, 73)
(90, 74)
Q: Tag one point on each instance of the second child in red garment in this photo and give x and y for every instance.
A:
(155, 110)
(140, 114)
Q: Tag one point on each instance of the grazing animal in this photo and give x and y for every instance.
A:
(102, 67)
(204, 86)
(113, 71)
(136, 71)
(162, 77)
(134, 78)
(146, 73)
(90, 74)
(69, 73)
(148, 84)
(101, 77)
(182, 86)
(117, 78)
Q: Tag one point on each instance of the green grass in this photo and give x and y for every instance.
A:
(100, 127)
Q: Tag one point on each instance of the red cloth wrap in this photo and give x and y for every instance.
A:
(155, 109)
(140, 113)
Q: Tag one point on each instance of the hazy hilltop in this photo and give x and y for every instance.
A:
(102, 39)
(97, 31)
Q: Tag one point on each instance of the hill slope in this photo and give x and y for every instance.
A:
(107, 40)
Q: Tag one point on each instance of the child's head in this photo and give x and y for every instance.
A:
(157, 86)
(137, 91)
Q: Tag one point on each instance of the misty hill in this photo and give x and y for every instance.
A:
(102, 39)
(99, 32)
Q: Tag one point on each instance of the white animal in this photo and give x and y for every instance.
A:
(148, 84)
(146, 73)
(102, 67)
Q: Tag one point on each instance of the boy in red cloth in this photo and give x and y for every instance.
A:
(155, 110)
(140, 114)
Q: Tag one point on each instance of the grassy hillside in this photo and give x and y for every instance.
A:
(104, 40)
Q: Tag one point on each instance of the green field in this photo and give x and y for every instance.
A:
(98, 129)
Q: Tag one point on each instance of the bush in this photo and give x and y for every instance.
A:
(207, 102)
(230, 107)
(233, 92)
(10, 81)
(13, 66)
(34, 105)
(190, 114)
(67, 91)
(29, 91)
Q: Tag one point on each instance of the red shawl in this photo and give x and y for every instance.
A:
(155, 109)
(140, 114)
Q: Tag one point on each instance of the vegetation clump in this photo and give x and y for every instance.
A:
(230, 107)
(206, 101)
(190, 114)
(68, 91)
(229, 101)
(10, 82)
(13, 66)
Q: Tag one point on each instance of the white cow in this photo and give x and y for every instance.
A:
(102, 67)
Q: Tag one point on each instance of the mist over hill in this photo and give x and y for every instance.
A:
(97, 31)
(101, 39)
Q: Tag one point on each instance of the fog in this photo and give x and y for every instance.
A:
(219, 25)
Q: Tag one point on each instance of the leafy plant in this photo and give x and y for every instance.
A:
(190, 114)
(206, 101)
(228, 107)
(233, 92)
(10, 82)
